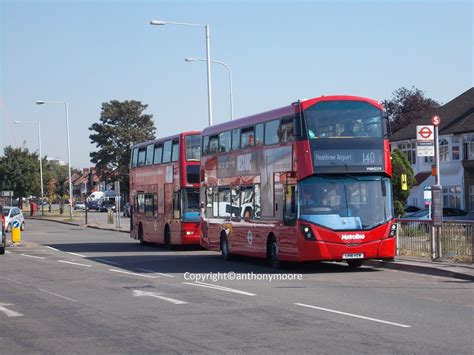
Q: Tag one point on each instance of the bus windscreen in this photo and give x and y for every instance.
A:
(344, 119)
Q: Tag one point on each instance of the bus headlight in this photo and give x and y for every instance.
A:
(307, 232)
(393, 230)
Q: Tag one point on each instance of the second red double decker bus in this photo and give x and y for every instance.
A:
(164, 190)
(309, 181)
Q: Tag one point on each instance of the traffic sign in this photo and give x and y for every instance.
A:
(427, 197)
(424, 133)
(425, 141)
(435, 120)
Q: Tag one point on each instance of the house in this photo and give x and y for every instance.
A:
(456, 148)
(85, 183)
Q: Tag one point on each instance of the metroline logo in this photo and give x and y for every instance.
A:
(352, 236)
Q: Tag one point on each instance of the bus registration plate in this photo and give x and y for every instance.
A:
(353, 256)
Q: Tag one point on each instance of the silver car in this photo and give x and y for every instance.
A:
(13, 214)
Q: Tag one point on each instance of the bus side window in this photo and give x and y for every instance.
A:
(247, 197)
(155, 205)
(286, 131)
(205, 145)
(289, 213)
(176, 205)
(225, 206)
(134, 157)
(140, 202)
(259, 135)
(148, 205)
(175, 154)
(235, 201)
(236, 139)
(257, 202)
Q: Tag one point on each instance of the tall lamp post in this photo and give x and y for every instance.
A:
(41, 102)
(40, 159)
(230, 79)
(208, 58)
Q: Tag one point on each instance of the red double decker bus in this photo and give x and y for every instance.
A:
(309, 181)
(164, 190)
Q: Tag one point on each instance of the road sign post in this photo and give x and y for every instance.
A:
(437, 190)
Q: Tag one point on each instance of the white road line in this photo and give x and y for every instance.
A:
(82, 256)
(133, 273)
(138, 293)
(106, 261)
(47, 246)
(57, 295)
(353, 315)
(220, 288)
(32, 256)
(154, 272)
(73, 263)
(8, 252)
(9, 312)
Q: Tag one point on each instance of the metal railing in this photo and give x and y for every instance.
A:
(416, 238)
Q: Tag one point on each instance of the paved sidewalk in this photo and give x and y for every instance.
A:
(402, 263)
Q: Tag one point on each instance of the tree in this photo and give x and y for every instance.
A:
(19, 172)
(406, 105)
(122, 124)
(401, 165)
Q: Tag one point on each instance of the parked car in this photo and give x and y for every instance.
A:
(80, 205)
(93, 205)
(448, 214)
(3, 244)
(105, 205)
(13, 214)
(126, 210)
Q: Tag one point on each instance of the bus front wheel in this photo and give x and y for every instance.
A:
(273, 252)
(225, 247)
(355, 263)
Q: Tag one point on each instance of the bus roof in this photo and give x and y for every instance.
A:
(182, 134)
(281, 112)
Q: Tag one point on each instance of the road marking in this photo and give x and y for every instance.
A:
(33, 256)
(47, 246)
(138, 293)
(133, 273)
(220, 288)
(7, 252)
(353, 315)
(154, 272)
(9, 312)
(73, 263)
(82, 256)
(57, 295)
(106, 261)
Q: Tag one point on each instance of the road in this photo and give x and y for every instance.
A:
(76, 290)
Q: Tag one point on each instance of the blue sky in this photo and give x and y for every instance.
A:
(89, 52)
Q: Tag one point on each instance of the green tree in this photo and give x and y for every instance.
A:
(401, 165)
(19, 172)
(122, 124)
(406, 105)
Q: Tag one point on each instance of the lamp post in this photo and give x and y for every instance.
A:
(41, 159)
(41, 102)
(208, 58)
(230, 79)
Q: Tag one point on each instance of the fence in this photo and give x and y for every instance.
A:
(415, 238)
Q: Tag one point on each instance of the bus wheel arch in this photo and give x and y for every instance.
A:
(273, 251)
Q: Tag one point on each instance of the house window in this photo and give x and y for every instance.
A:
(443, 150)
(469, 147)
(409, 149)
(452, 196)
(455, 151)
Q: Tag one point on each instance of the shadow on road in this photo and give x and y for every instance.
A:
(191, 259)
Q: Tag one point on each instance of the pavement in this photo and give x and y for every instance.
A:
(401, 263)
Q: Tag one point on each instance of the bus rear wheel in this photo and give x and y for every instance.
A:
(273, 252)
(168, 244)
(355, 263)
(225, 247)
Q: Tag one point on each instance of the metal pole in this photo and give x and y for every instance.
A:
(208, 58)
(438, 182)
(231, 97)
(41, 169)
(69, 160)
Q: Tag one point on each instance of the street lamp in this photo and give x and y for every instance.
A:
(230, 80)
(40, 102)
(208, 58)
(41, 159)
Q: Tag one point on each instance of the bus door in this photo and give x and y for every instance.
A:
(287, 196)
